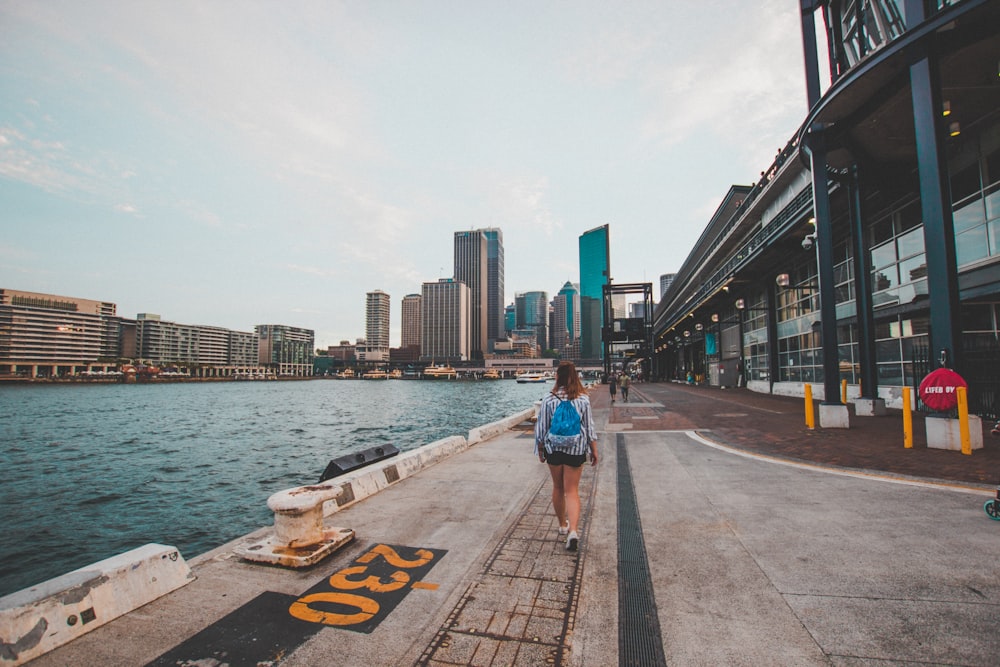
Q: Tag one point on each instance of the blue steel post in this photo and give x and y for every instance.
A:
(815, 146)
(939, 229)
(863, 291)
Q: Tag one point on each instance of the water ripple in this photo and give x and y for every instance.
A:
(108, 468)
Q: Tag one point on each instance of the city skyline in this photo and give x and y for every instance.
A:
(148, 150)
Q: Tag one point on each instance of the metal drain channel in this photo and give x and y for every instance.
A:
(639, 641)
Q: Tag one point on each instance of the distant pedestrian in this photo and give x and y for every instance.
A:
(625, 383)
(566, 454)
(613, 386)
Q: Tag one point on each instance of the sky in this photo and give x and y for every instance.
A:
(239, 162)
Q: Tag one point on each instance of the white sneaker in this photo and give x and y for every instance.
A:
(564, 529)
(573, 541)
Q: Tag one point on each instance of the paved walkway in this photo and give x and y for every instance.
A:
(695, 551)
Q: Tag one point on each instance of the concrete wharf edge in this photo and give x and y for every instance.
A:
(507, 592)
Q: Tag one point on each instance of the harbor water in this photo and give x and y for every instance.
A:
(90, 471)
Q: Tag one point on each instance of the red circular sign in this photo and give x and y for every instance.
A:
(937, 390)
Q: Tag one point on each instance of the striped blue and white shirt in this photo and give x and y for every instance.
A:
(588, 433)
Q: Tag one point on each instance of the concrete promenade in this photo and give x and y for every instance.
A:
(717, 530)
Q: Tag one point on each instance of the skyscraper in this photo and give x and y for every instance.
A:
(595, 273)
(566, 321)
(532, 309)
(377, 320)
(471, 265)
(444, 332)
(495, 329)
(665, 280)
(410, 333)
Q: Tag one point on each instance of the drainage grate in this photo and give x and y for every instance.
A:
(639, 641)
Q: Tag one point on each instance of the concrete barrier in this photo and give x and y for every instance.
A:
(39, 619)
(493, 429)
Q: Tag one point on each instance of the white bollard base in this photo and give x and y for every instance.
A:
(269, 550)
(834, 416)
(869, 407)
(945, 433)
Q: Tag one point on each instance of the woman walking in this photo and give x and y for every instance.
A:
(566, 453)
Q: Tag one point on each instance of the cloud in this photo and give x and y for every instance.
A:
(320, 272)
(126, 208)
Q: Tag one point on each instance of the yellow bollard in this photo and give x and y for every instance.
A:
(907, 420)
(963, 419)
(810, 417)
(843, 392)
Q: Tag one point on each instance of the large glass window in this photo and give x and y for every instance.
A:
(755, 339)
(899, 266)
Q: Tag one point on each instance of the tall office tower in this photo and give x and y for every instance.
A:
(566, 322)
(637, 310)
(595, 273)
(532, 312)
(471, 264)
(509, 319)
(665, 280)
(495, 329)
(410, 334)
(377, 306)
(444, 334)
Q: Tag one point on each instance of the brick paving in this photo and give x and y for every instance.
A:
(775, 425)
(522, 607)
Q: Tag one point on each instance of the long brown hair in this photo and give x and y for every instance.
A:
(568, 380)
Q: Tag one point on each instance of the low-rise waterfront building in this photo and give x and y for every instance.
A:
(44, 335)
(285, 349)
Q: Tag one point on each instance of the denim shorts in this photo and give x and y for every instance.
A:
(564, 459)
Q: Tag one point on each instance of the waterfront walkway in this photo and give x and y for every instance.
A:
(717, 530)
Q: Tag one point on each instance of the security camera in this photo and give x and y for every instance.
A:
(807, 242)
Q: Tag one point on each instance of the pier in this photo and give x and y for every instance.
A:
(716, 529)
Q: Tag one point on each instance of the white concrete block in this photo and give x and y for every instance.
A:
(943, 433)
(834, 416)
(869, 407)
(39, 619)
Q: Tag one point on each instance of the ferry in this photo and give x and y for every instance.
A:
(491, 374)
(346, 374)
(525, 378)
(436, 372)
(376, 374)
(395, 374)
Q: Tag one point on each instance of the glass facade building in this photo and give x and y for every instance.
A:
(862, 255)
(471, 268)
(595, 272)
(532, 313)
(495, 326)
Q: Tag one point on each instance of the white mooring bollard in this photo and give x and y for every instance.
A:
(299, 539)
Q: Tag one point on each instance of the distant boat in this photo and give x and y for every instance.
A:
(438, 372)
(491, 374)
(376, 374)
(395, 374)
(525, 378)
(346, 374)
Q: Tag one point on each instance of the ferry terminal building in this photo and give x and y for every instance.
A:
(869, 251)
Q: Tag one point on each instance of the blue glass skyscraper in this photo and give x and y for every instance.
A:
(595, 273)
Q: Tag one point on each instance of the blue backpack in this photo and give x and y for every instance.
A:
(564, 428)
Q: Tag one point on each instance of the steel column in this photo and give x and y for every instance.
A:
(863, 290)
